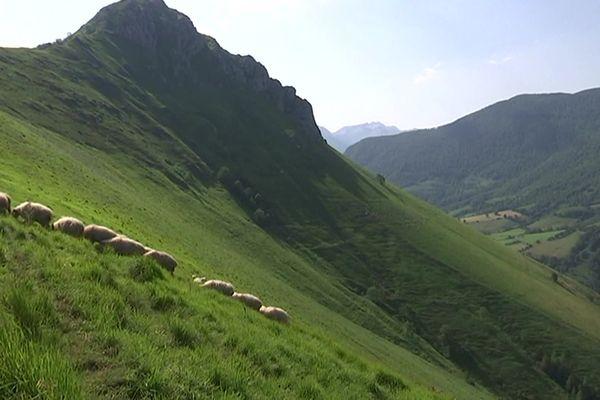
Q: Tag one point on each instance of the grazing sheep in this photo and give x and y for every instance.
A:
(70, 226)
(97, 233)
(249, 300)
(221, 286)
(164, 260)
(4, 203)
(275, 313)
(33, 212)
(124, 246)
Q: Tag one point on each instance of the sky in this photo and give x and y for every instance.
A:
(413, 64)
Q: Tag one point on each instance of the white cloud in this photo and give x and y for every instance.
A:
(498, 61)
(428, 74)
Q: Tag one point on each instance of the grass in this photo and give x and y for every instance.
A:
(495, 226)
(384, 290)
(521, 236)
(505, 214)
(553, 222)
(540, 244)
(221, 245)
(559, 248)
(30, 370)
(100, 337)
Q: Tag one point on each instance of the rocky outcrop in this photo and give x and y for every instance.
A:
(168, 47)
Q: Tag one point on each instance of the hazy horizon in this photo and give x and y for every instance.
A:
(411, 65)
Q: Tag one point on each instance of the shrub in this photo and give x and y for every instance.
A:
(225, 176)
(145, 271)
(182, 334)
(29, 311)
(390, 381)
(260, 217)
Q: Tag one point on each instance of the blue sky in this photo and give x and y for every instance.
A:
(403, 62)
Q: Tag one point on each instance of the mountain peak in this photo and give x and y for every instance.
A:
(145, 23)
(162, 46)
(348, 135)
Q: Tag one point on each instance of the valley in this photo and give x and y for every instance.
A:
(142, 124)
(535, 154)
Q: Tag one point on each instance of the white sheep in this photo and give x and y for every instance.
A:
(70, 226)
(165, 260)
(33, 212)
(249, 300)
(124, 246)
(4, 203)
(275, 313)
(97, 233)
(221, 286)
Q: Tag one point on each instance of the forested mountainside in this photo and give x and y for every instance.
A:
(533, 153)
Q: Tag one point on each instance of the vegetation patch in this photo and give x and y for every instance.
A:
(33, 369)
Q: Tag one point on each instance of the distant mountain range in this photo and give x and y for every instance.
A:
(536, 150)
(348, 135)
(537, 153)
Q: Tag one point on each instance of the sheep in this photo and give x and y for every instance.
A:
(70, 226)
(221, 286)
(4, 203)
(275, 313)
(124, 246)
(33, 212)
(249, 300)
(164, 260)
(97, 233)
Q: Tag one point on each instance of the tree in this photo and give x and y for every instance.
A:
(260, 217)
(225, 177)
(572, 384)
(375, 294)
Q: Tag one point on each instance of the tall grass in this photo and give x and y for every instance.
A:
(31, 369)
(76, 322)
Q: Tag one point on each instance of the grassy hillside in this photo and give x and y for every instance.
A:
(212, 237)
(78, 323)
(533, 153)
(196, 152)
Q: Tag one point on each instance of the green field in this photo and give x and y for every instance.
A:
(553, 222)
(521, 237)
(389, 296)
(494, 226)
(559, 248)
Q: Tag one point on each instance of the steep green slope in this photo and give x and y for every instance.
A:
(535, 153)
(211, 237)
(139, 123)
(77, 323)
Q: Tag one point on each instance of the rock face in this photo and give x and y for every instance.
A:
(163, 44)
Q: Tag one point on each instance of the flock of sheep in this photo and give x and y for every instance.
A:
(122, 245)
(250, 300)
